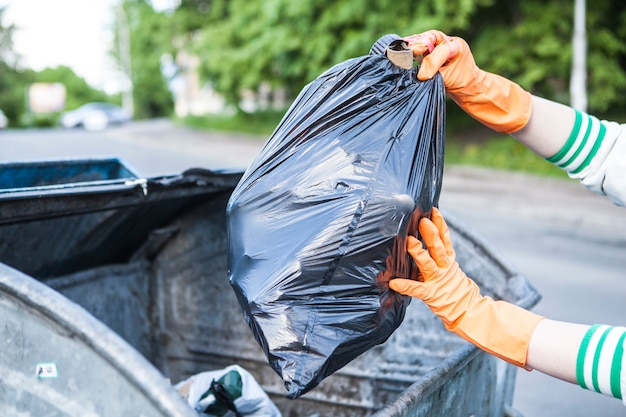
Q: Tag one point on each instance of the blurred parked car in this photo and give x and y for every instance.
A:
(95, 116)
(4, 122)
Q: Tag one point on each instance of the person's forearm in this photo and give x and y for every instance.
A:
(548, 128)
(554, 347)
(590, 356)
(588, 149)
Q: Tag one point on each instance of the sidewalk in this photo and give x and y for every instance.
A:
(550, 199)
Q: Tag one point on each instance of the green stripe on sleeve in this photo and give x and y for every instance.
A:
(616, 368)
(593, 151)
(581, 145)
(582, 352)
(570, 141)
(596, 360)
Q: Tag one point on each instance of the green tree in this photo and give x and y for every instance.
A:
(606, 22)
(151, 35)
(13, 86)
(531, 43)
(189, 17)
(244, 44)
(288, 43)
(6, 38)
(12, 82)
(78, 91)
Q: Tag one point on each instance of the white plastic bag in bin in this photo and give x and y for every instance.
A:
(228, 392)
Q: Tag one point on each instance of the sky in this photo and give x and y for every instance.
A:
(73, 33)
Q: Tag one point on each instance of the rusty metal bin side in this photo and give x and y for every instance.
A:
(98, 373)
(200, 319)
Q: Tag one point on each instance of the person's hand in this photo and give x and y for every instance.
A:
(491, 99)
(450, 55)
(498, 327)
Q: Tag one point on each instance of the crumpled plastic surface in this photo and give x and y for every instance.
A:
(318, 222)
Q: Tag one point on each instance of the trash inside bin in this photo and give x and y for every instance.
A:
(150, 265)
(230, 389)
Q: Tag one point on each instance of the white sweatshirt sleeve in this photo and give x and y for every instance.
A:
(622, 375)
(595, 154)
(601, 359)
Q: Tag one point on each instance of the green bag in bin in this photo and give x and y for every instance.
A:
(318, 222)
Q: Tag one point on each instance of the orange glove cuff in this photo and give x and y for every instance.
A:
(496, 102)
(500, 328)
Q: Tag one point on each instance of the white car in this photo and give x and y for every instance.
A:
(95, 116)
(4, 122)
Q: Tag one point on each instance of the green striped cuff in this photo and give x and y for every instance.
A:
(582, 145)
(599, 361)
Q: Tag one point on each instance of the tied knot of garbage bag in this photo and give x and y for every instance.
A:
(318, 222)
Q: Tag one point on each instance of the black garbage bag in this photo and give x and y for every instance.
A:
(318, 222)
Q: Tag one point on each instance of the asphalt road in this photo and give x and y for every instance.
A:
(569, 243)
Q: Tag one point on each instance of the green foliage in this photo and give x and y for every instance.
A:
(6, 35)
(151, 35)
(14, 87)
(261, 123)
(246, 43)
(467, 142)
(470, 143)
(14, 84)
(242, 45)
(537, 51)
(288, 43)
(607, 56)
(78, 91)
(190, 16)
(500, 152)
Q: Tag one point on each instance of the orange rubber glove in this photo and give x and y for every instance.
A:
(498, 327)
(491, 99)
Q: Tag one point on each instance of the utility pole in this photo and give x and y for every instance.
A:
(123, 38)
(578, 81)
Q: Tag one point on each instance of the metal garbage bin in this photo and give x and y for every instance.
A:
(147, 259)
(58, 360)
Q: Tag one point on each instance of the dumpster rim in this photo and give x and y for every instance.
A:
(87, 329)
